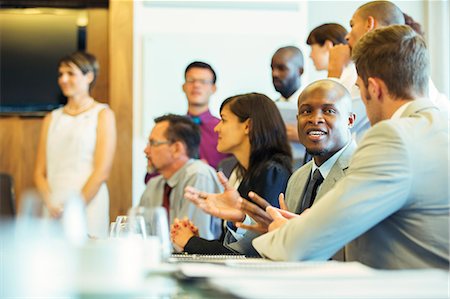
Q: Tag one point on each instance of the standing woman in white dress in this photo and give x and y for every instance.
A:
(77, 146)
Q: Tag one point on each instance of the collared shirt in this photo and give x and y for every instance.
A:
(298, 150)
(194, 173)
(325, 168)
(348, 79)
(293, 98)
(208, 141)
(439, 99)
(398, 113)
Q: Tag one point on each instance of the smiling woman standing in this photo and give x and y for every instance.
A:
(77, 145)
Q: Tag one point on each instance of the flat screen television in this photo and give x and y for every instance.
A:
(32, 41)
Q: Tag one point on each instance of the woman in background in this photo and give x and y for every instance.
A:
(77, 145)
(321, 39)
(251, 128)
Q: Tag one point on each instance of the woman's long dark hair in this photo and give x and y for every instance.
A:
(268, 139)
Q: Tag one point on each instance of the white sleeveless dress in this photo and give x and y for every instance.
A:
(71, 144)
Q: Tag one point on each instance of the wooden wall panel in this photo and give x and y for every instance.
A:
(19, 137)
(121, 101)
(9, 151)
(97, 44)
(30, 128)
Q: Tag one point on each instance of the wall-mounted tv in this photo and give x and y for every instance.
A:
(32, 40)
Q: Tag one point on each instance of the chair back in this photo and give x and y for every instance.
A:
(7, 199)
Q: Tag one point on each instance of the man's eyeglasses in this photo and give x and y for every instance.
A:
(154, 143)
(201, 81)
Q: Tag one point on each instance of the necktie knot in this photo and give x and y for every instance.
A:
(317, 176)
(196, 120)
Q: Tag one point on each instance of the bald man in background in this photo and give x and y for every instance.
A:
(368, 17)
(287, 69)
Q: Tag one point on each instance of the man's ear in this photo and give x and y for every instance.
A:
(371, 23)
(214, 88)
(178, 148)
(377, 88)
(328, 44)
(351, 120)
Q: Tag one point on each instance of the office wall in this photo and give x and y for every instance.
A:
(238, 39)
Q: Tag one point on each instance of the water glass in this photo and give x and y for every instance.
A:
(156, 226)
(128, 227)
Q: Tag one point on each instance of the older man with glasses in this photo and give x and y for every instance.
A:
(172, 150)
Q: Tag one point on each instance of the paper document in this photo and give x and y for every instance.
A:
(417, 284)
(262, 268)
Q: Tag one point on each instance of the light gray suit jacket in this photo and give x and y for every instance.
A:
(392, 207)
(299, 179)
(294, 193)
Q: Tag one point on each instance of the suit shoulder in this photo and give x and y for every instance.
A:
(384, 130)
(344, 159)
(301, 172)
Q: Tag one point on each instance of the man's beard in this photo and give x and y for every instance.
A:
(317, 152)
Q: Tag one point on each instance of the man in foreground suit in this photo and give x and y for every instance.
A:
(393, 204)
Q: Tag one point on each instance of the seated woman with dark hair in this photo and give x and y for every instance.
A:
(251, 128)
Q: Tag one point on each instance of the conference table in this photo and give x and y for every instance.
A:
(47, 267)
(228, 277)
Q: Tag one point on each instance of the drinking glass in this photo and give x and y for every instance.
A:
(112, 229)
(117, 226)
(129, 227)
(156, 227)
